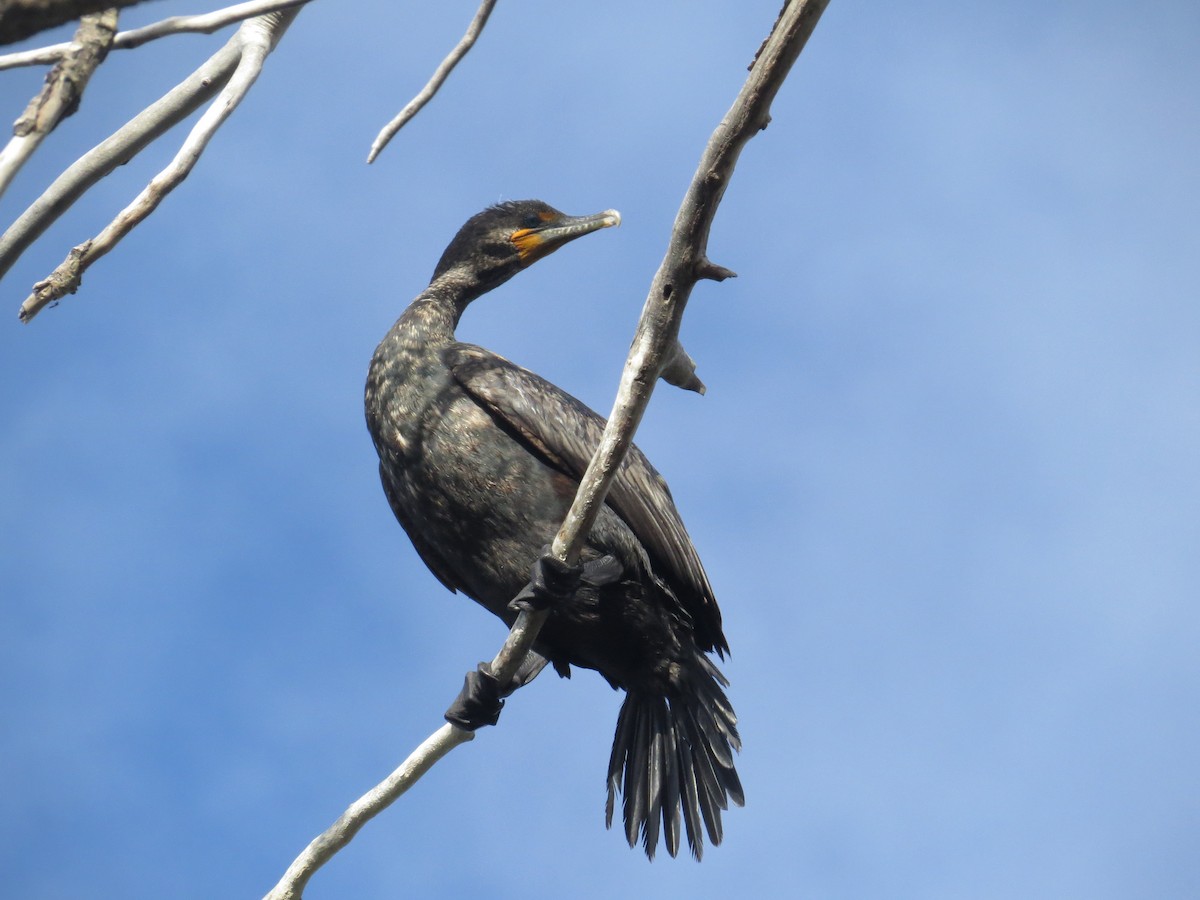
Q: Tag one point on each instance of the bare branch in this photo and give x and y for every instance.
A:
(655, 347)
(205, 23)
(685, 263)
(61, 93)
(129, 140)
(417, 103)
(256, 38)
(371, 804)
(43, 56)
(20, 19)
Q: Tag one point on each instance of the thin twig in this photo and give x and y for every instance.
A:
(655, 346)
(258, 37)
(204, 23)
(60, 95)
(418, 102)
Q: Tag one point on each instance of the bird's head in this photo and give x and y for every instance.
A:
(504, 239)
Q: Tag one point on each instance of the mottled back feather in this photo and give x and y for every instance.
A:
(564, 433)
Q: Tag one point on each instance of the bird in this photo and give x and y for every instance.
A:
(480, 459)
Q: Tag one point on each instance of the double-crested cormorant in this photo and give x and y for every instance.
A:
(480, 460)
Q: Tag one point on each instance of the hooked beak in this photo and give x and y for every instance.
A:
(542, 240)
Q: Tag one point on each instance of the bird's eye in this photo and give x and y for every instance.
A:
(533, 220)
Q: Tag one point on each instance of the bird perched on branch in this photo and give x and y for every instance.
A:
(480, 460)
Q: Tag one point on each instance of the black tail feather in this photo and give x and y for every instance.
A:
(706, 772)
(655, 775)
(671, 795)
(672, 760)
(691, 799)
(637, 776)
(616, 767)
(733, 787)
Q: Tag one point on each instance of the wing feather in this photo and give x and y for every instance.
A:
(564, 433)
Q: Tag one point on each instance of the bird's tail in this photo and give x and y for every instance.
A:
(674, 755)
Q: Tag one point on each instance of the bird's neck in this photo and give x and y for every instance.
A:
(434, 314)
(408, 370)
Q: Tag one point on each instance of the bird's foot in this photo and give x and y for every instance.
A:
(480, 701)
(550, 581)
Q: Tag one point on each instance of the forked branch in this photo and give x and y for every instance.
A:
(60, 95)
(232, 71)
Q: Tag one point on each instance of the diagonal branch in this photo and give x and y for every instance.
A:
(61, 93)
(256, 39)
(654, 348)
(361, 811)
(20, 19)
(686, 262)
(204, 23)
(417, 103)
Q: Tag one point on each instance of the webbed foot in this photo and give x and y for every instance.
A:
(479, 702)
(550, 581)
(482, 696)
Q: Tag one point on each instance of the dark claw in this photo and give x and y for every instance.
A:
(550, 581)
(479, 702)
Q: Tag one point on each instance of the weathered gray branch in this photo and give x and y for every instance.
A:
(242, 58)
(686, 261)
(655, 346)
(20, 19)
(204, 23)
(129, 140)
(60, 95)
(417, 103)
(365, 808)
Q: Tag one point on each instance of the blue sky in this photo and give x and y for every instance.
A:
(944, 479)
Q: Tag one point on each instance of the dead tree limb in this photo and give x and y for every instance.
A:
(417, 103)
(116, 150)
(204, 23)
(231, 71)
(20, 19)
(654, 348)
(60, 95)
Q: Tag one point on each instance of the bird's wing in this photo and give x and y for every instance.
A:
(565, 433)
(534, 662)
(429, 555)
